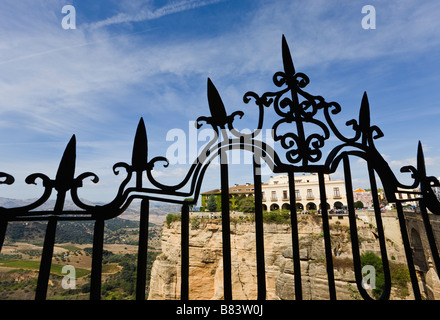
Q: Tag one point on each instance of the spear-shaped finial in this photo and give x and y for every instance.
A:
(364, 118)
(139, 158)
(368, 131)
(66, 169)
(289, 69)
(216, 105)
(421, 168)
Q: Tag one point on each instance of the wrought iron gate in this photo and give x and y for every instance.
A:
(295, 107)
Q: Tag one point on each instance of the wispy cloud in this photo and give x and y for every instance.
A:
(145, 14)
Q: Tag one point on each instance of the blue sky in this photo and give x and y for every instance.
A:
(151, 59)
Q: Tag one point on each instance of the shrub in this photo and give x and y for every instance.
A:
(195, 223)
(399, 275)
(171, 217)
(279, 217)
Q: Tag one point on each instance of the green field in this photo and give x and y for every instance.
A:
(35, 265)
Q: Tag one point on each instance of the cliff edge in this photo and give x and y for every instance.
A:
(206, 265)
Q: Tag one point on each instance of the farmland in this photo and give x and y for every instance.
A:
(21, 254)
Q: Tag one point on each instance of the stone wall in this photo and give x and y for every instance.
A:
(389, 220)
(428, 279)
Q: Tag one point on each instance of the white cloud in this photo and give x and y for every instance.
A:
(145, 12)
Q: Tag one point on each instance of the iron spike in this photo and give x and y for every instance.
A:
(289, 69)
(364, 113)
(139, 158)
(421, 168)
(216, 105)
(66, 169)
(364, 118)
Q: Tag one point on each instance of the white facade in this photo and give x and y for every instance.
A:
(407, 196)
(276, 193)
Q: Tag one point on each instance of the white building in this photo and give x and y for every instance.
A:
(276, 193)
(409, 196)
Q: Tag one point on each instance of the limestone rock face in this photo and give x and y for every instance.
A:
(206, 262)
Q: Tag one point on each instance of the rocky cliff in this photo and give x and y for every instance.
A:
(206, 274)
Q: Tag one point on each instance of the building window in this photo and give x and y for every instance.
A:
(274, 195)
(285, 197)
(297, 195)
(309, 194)
(336, 193)
(263, 196)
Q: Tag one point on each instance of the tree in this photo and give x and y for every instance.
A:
(212, 204)
(246, 204)
(358, 205)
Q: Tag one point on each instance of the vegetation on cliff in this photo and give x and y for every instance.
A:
(399, 275)
(171, 217)
(278, 217)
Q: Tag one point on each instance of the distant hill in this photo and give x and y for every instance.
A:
(158, 210)
(48, 205)
(81, 232)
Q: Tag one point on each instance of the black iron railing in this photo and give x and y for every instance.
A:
(302, 152)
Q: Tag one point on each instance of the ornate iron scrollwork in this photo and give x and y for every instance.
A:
(300, 108)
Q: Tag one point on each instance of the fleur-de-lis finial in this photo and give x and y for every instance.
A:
(139, 159)
(219, 117)
(364, 123)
